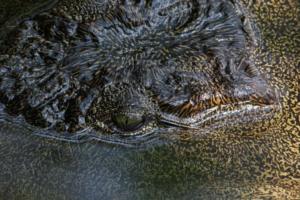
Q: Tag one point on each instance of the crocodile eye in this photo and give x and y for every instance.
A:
(128, 123)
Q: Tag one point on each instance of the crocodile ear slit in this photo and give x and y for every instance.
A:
(248, 68)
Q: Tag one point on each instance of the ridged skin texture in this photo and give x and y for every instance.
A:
(248, 160)
(127, 67)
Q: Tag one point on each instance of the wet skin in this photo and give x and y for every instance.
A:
(135, 68)
(255, 158)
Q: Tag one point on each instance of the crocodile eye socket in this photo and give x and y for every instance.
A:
(128, 123)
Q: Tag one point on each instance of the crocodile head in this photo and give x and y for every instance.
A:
(111, 69)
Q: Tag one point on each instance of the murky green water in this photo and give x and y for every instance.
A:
(32, 167)
(37, 168)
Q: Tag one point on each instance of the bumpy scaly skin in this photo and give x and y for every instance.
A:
(127, 66)
(266, 153)
(255, 161)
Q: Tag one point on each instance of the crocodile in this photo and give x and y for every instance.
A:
(135, 68)
(220, 79)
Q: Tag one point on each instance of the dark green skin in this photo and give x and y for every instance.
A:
(251, 161)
